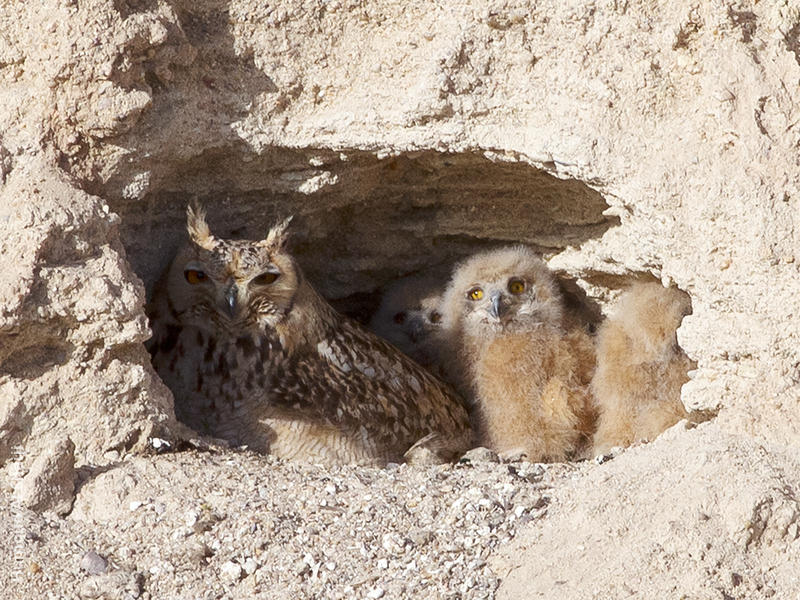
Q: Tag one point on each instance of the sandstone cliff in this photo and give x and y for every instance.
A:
(623, 141)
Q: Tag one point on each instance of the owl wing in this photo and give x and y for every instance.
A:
(355, 380)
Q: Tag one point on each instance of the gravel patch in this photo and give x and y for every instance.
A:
(233, 524)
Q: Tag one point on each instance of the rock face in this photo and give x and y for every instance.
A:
(71, 324)
(624, 142)
(607, 536)
(50, 484)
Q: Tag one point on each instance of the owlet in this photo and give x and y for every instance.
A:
(640, 367)
(526, 376)
(409, 316)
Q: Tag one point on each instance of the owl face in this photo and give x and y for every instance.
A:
(509, 289)
(409, 312)
(231, 286)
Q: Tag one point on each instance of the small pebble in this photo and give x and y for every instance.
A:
(481, 455)
(160, 445)
(93, 563)
(250, 566)
(301, 567)
(376, 593)
(198, 552)
(231, 570)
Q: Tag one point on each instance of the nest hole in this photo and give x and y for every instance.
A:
(362, 220)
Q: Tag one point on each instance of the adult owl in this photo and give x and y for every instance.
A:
(254, 355)
(526, 376)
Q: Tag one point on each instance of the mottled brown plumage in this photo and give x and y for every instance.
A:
(640, 367)
(526, 376)
(254, 355)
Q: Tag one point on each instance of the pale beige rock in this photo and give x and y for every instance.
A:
(120, 584)
(50, 483)
(691, 515)
(623, 140)
(71, 325)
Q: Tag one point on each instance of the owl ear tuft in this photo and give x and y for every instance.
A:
(278, 235)
(198, 228)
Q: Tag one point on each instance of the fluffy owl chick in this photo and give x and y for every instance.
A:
(255, 356)
(526, 376)
(409, 316)
(640, 367)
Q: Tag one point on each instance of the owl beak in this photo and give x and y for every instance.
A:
(416, 331)
(229, 302)
(496, 308)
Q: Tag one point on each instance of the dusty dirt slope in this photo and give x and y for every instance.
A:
(623, 140)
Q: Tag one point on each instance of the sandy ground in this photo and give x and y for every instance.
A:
(695, 514)
(234, 525)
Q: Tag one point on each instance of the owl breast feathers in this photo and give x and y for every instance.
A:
(254, 355)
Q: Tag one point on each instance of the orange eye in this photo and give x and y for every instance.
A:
(435, 317)
(194, 276)
(475, 294)
(265, 278)
(516, 286)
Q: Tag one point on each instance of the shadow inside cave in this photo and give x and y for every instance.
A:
(373, 220)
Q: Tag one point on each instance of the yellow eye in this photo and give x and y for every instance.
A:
(475, 294)
(194, 276)
(516, 286)
(265, 278)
